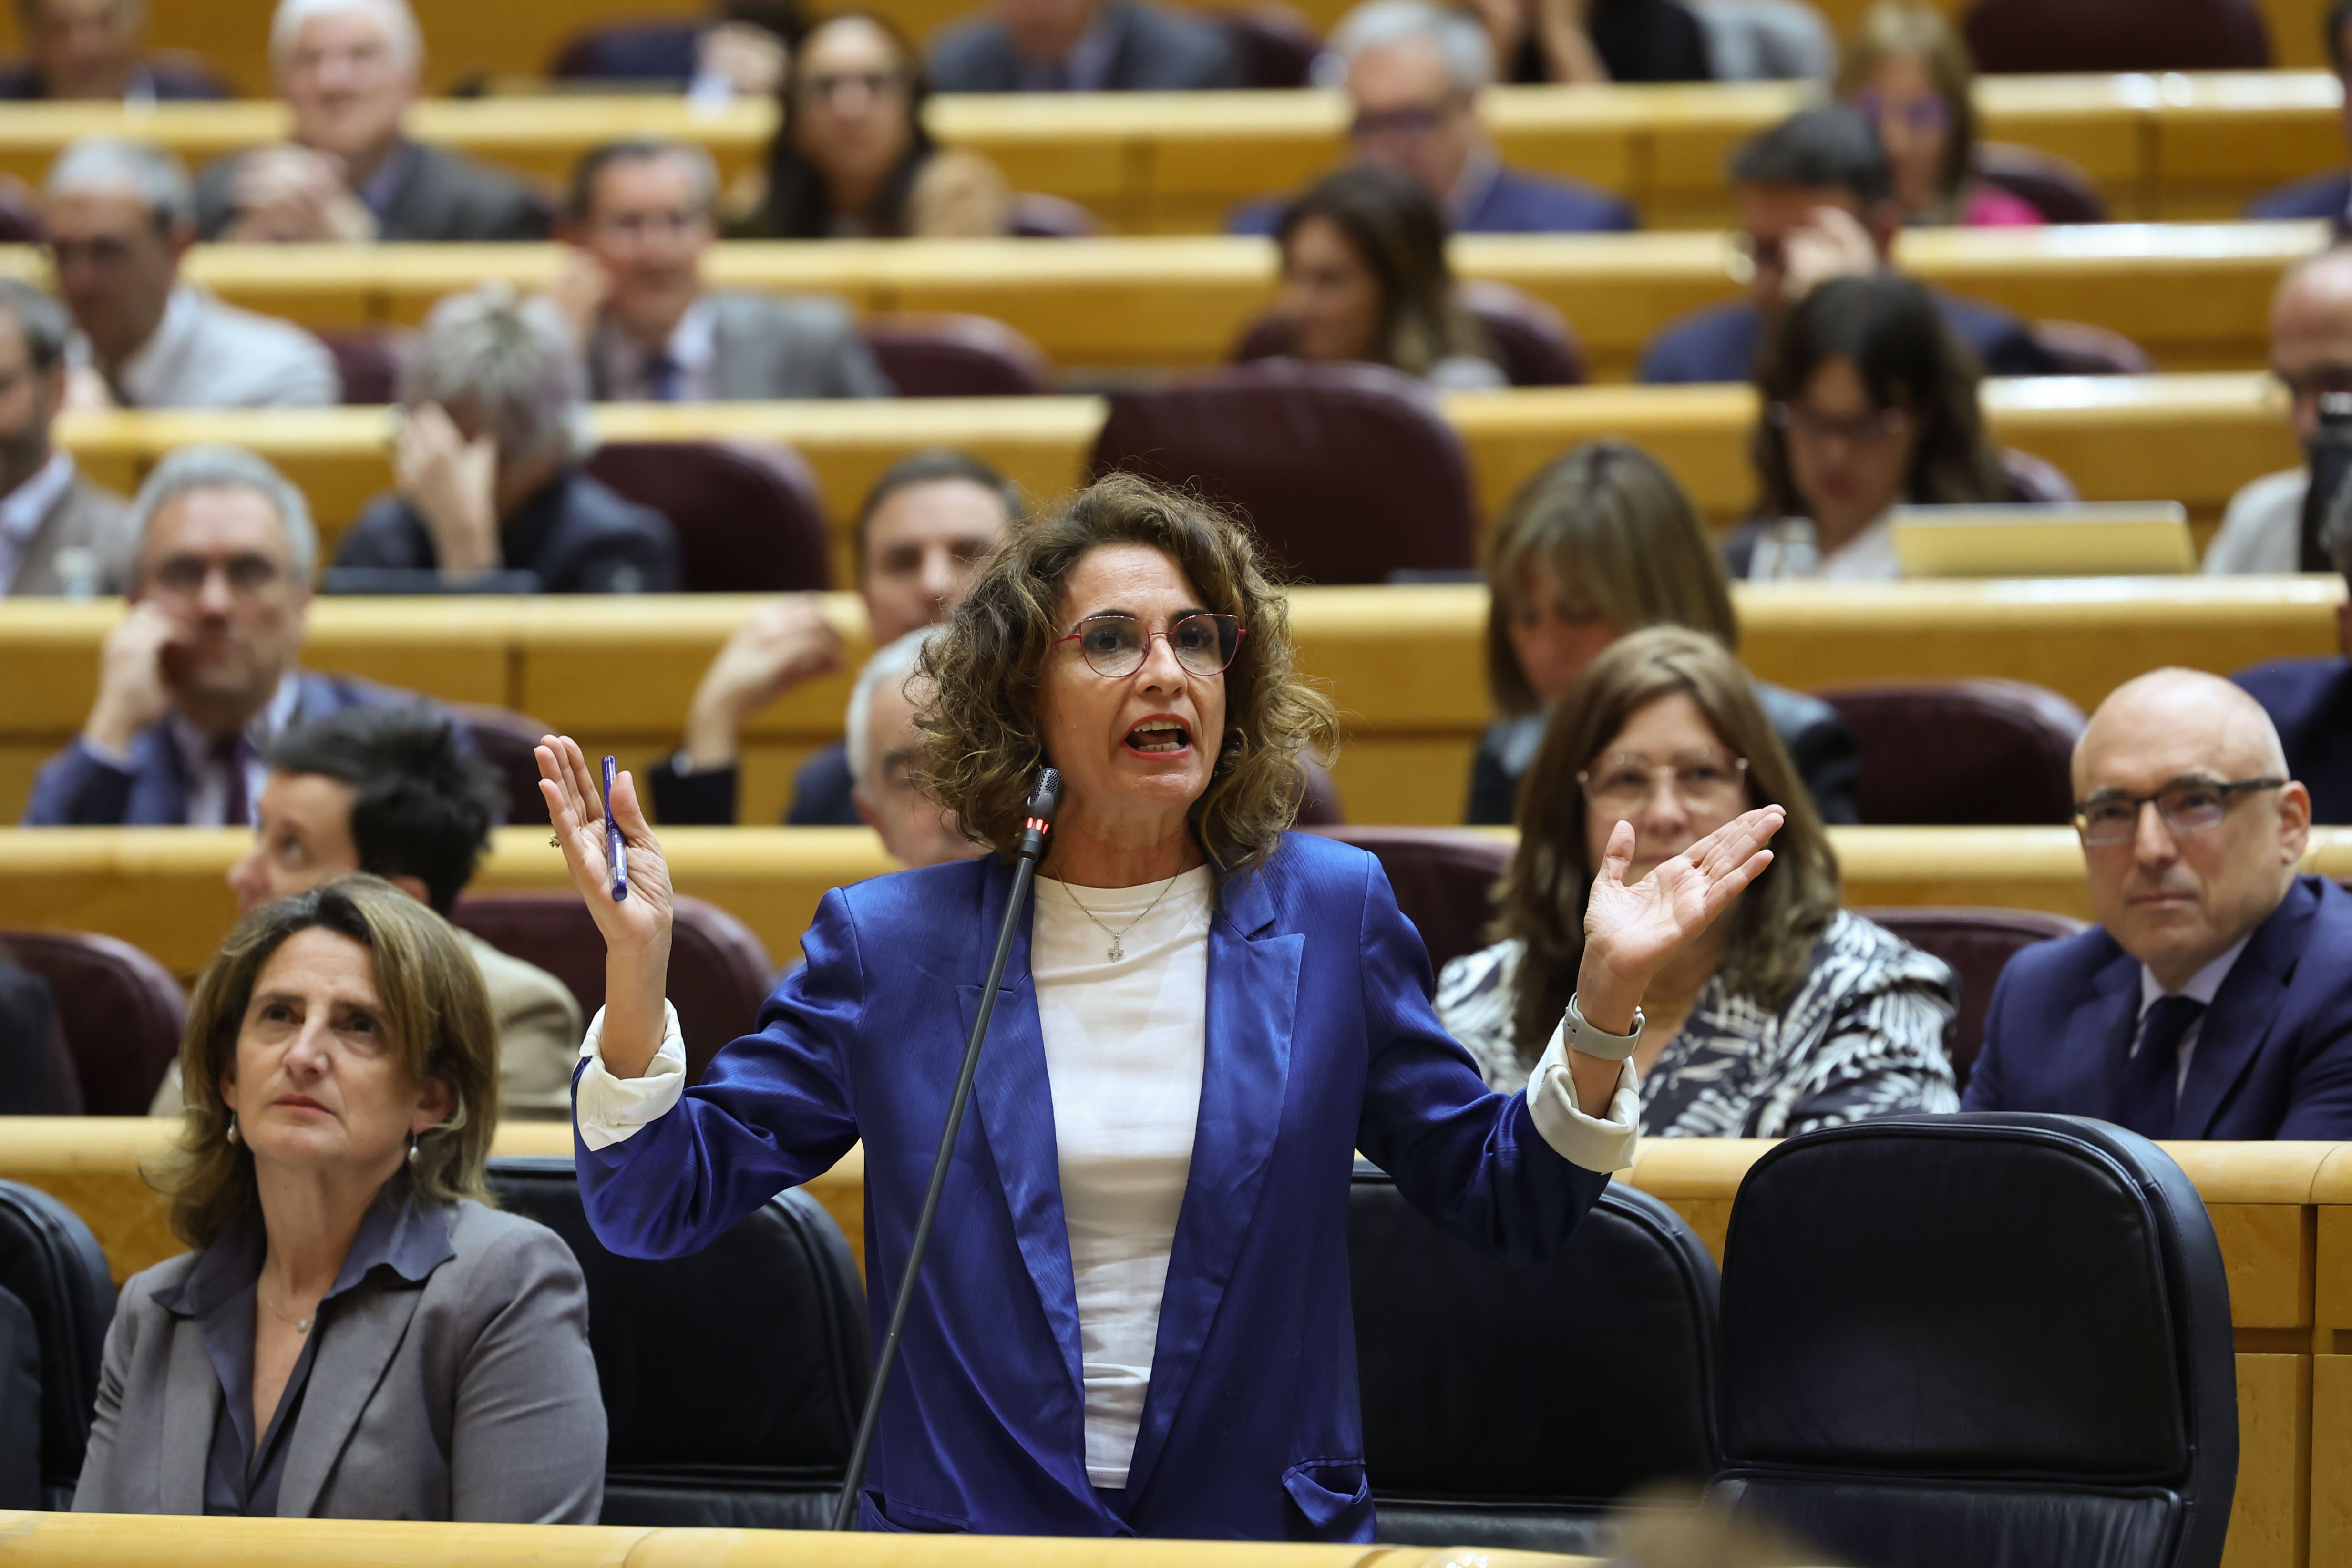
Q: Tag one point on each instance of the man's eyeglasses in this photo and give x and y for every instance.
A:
(1399, 124)
(185, 575)
(2190, 806)
(1115, 646)
(2311, 385)
(1703, 780)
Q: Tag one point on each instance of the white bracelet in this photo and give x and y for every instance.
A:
(1581, 1034)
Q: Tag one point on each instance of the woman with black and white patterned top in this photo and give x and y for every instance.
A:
(1791, 1012)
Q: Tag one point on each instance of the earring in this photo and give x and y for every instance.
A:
(232, 1126)
(412, 1148)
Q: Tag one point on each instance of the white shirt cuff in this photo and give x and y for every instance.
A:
(1598, 1144)
(606, 1109)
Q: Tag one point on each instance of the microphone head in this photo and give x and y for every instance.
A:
(1046, 798)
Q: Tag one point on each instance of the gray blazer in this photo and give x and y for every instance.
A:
(85, 518)
(443, 197)
(770, 347)
(470, 1397)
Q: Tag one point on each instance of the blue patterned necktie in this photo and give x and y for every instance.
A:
(2150, 1092)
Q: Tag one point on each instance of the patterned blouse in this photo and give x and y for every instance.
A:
(1863, 1036)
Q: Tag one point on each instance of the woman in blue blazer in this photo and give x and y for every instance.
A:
(1134, 1317)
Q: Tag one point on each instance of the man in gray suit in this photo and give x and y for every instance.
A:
(348, 69)
(119, 215)
(60, 534)
(640, 218)
(1082, 45)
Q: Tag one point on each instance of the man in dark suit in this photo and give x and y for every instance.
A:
(641, 217)
(1414, 72)
(2214, 999)
(1082, 45)
(2327, 195)
(1816, 200)
(89, 50)
(198, 678)
(348, 69)
(60, 534)
(926, 526)
(2310, 702)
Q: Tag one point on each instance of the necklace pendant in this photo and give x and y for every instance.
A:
(1116, 951)
(302, 1325)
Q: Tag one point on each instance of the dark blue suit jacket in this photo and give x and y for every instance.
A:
(2325, 196)
(2310, 701)
(78, 789)
(1513, 204)
(1720, 343)
(1153, 49)
(1320, 1041)
(2273, 1058)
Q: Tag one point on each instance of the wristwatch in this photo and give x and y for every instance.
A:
(1578, 1033)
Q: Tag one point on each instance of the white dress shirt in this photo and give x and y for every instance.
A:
(1788, 549)
(624, 367)
(22, 509)
(2202, 986)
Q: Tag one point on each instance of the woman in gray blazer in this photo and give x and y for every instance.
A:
(356, 1335)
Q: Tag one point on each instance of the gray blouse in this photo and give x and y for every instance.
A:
(1863, 1036)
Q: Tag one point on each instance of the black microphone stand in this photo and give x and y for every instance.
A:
(1043, 801)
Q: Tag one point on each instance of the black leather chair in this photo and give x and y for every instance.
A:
(1444, 879)
(1978, 944)
(1472, 1435)
(1964, 1340)
(51, 1268)
(733, 1378)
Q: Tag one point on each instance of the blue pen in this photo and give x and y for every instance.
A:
(616, 850)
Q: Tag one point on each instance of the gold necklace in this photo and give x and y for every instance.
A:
(1118, 948)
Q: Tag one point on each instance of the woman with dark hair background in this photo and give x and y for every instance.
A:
(1365, 278)
(1868, 403)
(852, 159)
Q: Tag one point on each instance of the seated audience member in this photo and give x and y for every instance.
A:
(60, 534)
(736, 50)
(884, 751)
(2327, 195)
(37, 1075)
(926, 527)
(201, 675)
(1868, 403)
(357, 1333)
(2214, 997)
(117, 217)
(348, 69)
(2311, 355)
(1816, 201)
(1596, 40)
(1365, 278)
(1909, 71)
(1414, 71)
(396, 792)
(851, 158)
(2310, 704)
(1601, 542)
(640, 220)
(1790, 1013)
(488, 463)
(1082, 45)
(89, 50)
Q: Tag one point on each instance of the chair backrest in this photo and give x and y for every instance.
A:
(749, 518)
(2035, 480)
(718, 972)
(1972, 1339)
(1276, 45)
(1444, 879)
(368, 364)
(507, 741)
(628, 51)
(1471, 1440)
(51, 1263)
(1978, 944)
(1969, 753)
(732, 1377)
(2079, 348)
(2117, 35)
(121, 1010)
(1533, 344)
(1037, 216)
(2058, 188)
(1347, 472)
(945, 354)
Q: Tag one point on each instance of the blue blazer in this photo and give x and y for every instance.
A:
(2273, 1058)
(1320, 1041)
(80, 789)
(2310, 702)
(1720, 343)
(2327, 195)
(1514, 203)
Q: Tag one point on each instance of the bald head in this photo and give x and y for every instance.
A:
(2311, 332)
(2197, 720)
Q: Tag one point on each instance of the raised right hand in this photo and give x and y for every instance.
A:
(452, 483)
(637, 929)
(133, 691)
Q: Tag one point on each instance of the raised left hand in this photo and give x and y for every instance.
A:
(1633, 932)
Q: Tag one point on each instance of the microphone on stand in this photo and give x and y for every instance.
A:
(1043, 801)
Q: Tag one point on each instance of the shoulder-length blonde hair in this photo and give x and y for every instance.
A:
(1908, 29)
(1775, 924)
(1622, 541)
(435, 1008)
(982, 749)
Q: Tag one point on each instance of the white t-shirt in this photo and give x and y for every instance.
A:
(1125, 1045)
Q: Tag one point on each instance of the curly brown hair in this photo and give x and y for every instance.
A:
(436, 1009)
(981, 746)
(1774, 925)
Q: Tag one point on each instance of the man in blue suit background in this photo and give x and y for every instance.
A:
(200, 676)
(2214, 998)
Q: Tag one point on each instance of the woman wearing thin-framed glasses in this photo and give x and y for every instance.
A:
(1787, 1013)
(1134, 1318)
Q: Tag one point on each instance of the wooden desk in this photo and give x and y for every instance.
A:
(2190, 438)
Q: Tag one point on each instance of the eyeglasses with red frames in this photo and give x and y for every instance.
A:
(1115, 646)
